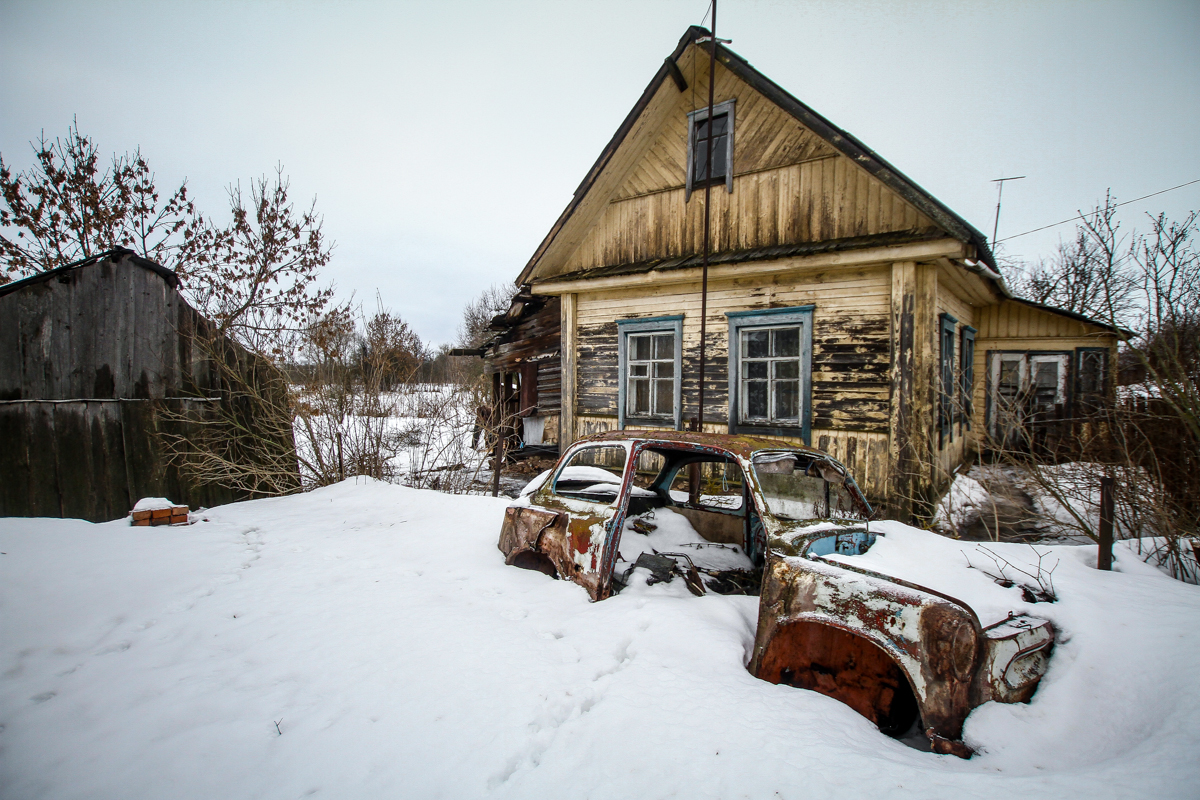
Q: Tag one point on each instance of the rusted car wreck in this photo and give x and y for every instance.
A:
(767, 517)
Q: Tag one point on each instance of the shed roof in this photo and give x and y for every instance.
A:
(114, 254)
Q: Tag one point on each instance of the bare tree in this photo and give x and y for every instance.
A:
(257, 277)
(478, 313)
(1147, 437)
(69, 207)
(1091, 274)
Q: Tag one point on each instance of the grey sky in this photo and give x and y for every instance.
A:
(443, 139)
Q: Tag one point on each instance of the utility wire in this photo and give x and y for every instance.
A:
(1081, 216)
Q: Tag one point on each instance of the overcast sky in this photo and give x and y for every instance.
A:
(442, 139)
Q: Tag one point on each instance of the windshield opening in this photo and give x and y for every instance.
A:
(803, 486)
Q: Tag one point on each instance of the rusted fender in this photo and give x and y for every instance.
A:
(935, 642)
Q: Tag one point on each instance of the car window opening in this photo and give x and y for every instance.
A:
(694, 504)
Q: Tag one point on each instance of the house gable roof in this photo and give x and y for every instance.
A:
(637, 133)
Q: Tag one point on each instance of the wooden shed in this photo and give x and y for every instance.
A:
(847, 307)
(91, 355)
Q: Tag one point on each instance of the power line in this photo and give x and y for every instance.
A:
(1080, 216)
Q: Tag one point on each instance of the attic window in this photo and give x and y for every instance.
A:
(722, 142)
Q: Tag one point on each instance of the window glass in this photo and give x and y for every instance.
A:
(720, 132)
(712, 484)
(770, 375)
(651, 375)
(800, 486)
(1009, 384)
(593, 473)
(1048, 376)
(967, 373)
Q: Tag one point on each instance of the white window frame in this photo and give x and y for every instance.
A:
(795, 317)
(1025, 360)
(699, 115)
(651, 325)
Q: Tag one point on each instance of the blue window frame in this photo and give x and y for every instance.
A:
(946, 387)
(966, 373)
(649, 359)
(770, 371)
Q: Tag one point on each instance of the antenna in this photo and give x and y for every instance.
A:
(999, 195)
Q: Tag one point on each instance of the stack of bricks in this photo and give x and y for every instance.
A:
(171, 515)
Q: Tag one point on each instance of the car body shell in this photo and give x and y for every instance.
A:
(890, 649)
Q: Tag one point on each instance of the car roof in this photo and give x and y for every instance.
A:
(736, 443)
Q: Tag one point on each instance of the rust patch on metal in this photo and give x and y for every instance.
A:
(849, 668)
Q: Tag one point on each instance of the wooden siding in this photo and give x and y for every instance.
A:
(851, 350)
(765, 136)
(89, 357)
(91, 459)
(1014, 320)
(106, 330)
(789, 187)
(536, 335)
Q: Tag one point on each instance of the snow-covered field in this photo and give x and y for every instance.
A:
(366, 640)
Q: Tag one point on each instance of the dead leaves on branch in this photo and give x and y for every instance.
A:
(255, 278)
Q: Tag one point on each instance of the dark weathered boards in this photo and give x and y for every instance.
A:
(88, 352)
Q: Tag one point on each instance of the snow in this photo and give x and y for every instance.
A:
(152, 504)
(673, 533)
(958, 507)
(378, 627)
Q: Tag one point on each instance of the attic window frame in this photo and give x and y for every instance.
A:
(699, 115)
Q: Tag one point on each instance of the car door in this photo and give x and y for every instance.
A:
(588, 490)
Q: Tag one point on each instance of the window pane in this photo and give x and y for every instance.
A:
(787, 370)
(700, 167)
(1091, 374)
(1047, 375)
(664, 346)
(756, 399)
(718, 161)
(787, 400)
(664, 369)
(720, 124)
(1010, 377)
(639, 370)
(719, 485)
(756, 369)
(664, 400)
(639, 347)
(755, 343)
(787, 342)
(641, 397)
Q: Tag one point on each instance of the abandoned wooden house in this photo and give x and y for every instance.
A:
(91, 356)
(847, 308)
